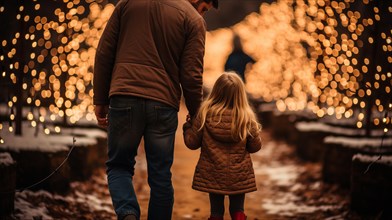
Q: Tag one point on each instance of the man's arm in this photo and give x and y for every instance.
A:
(105, 57)
(191, 71)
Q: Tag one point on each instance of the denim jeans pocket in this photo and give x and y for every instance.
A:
(120, 119)
(167, 119)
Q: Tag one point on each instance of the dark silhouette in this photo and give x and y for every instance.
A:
(238, 59)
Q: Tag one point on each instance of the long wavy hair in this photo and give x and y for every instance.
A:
(228, 93)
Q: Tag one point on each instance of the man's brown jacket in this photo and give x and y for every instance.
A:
(152, 49)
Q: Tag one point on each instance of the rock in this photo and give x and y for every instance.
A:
(371, 192)
(7, 184)
(340, 150)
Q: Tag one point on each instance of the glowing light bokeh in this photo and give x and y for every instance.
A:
(332, 57)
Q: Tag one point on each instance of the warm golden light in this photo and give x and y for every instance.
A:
(309, 54)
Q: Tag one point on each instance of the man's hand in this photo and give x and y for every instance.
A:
(101, 112)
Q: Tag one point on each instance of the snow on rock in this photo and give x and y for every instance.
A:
(6, 159)
(18, 143)
(94, 201)
(30, 205)
(26, 210)
(322, 127)
(386, 160)
(89, 132)
(41, 142)
(319, 126)
(354, 142)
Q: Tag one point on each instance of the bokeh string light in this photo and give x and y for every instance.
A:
(332, 57)
(283, 71)
(59, 43)
(354, 63)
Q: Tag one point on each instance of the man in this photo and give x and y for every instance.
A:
(149, 52)
(238, 60)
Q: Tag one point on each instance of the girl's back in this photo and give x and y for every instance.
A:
(227, 131)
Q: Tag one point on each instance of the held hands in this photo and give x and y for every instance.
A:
(101, 112)
(187, 124)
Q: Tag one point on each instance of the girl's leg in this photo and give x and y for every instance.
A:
(237, 203)
(217, 205)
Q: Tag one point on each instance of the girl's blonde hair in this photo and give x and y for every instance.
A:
(229, 93)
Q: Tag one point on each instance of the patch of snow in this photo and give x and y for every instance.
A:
(281, 175)
(387, 160)
(41, 193)
(26, 210)
(68, 140)
(290, 208)
(354, 142)
(85, 122)
(89, 132)
(315, 185)
(319, 126)
(187, 216)
(296, 187)
(6, 159)
(95, 203)
(337, 217)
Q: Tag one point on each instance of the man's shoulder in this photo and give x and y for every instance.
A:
(184, 6)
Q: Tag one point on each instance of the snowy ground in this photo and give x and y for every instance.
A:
(287, 189)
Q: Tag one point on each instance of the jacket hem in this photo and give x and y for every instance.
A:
(224, 192)
(177, 107)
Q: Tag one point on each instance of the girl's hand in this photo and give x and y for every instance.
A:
(186, 125)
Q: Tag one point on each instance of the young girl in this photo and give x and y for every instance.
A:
(227, 131)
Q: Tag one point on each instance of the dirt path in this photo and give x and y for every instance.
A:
(287, 189)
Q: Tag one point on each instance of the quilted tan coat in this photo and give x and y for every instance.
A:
(224, 166)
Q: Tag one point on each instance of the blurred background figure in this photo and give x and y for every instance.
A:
(238, 59)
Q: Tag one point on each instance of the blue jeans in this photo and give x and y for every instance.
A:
(130, 119)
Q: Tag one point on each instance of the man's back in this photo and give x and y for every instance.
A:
(160, 45)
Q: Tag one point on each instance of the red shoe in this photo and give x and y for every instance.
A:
(215, 218)
(238, 216)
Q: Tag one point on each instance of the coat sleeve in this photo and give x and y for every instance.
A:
(192, 137)
(191, 67)
(254, 142)
(105, 57)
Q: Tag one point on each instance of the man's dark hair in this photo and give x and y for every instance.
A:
(215, 3)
